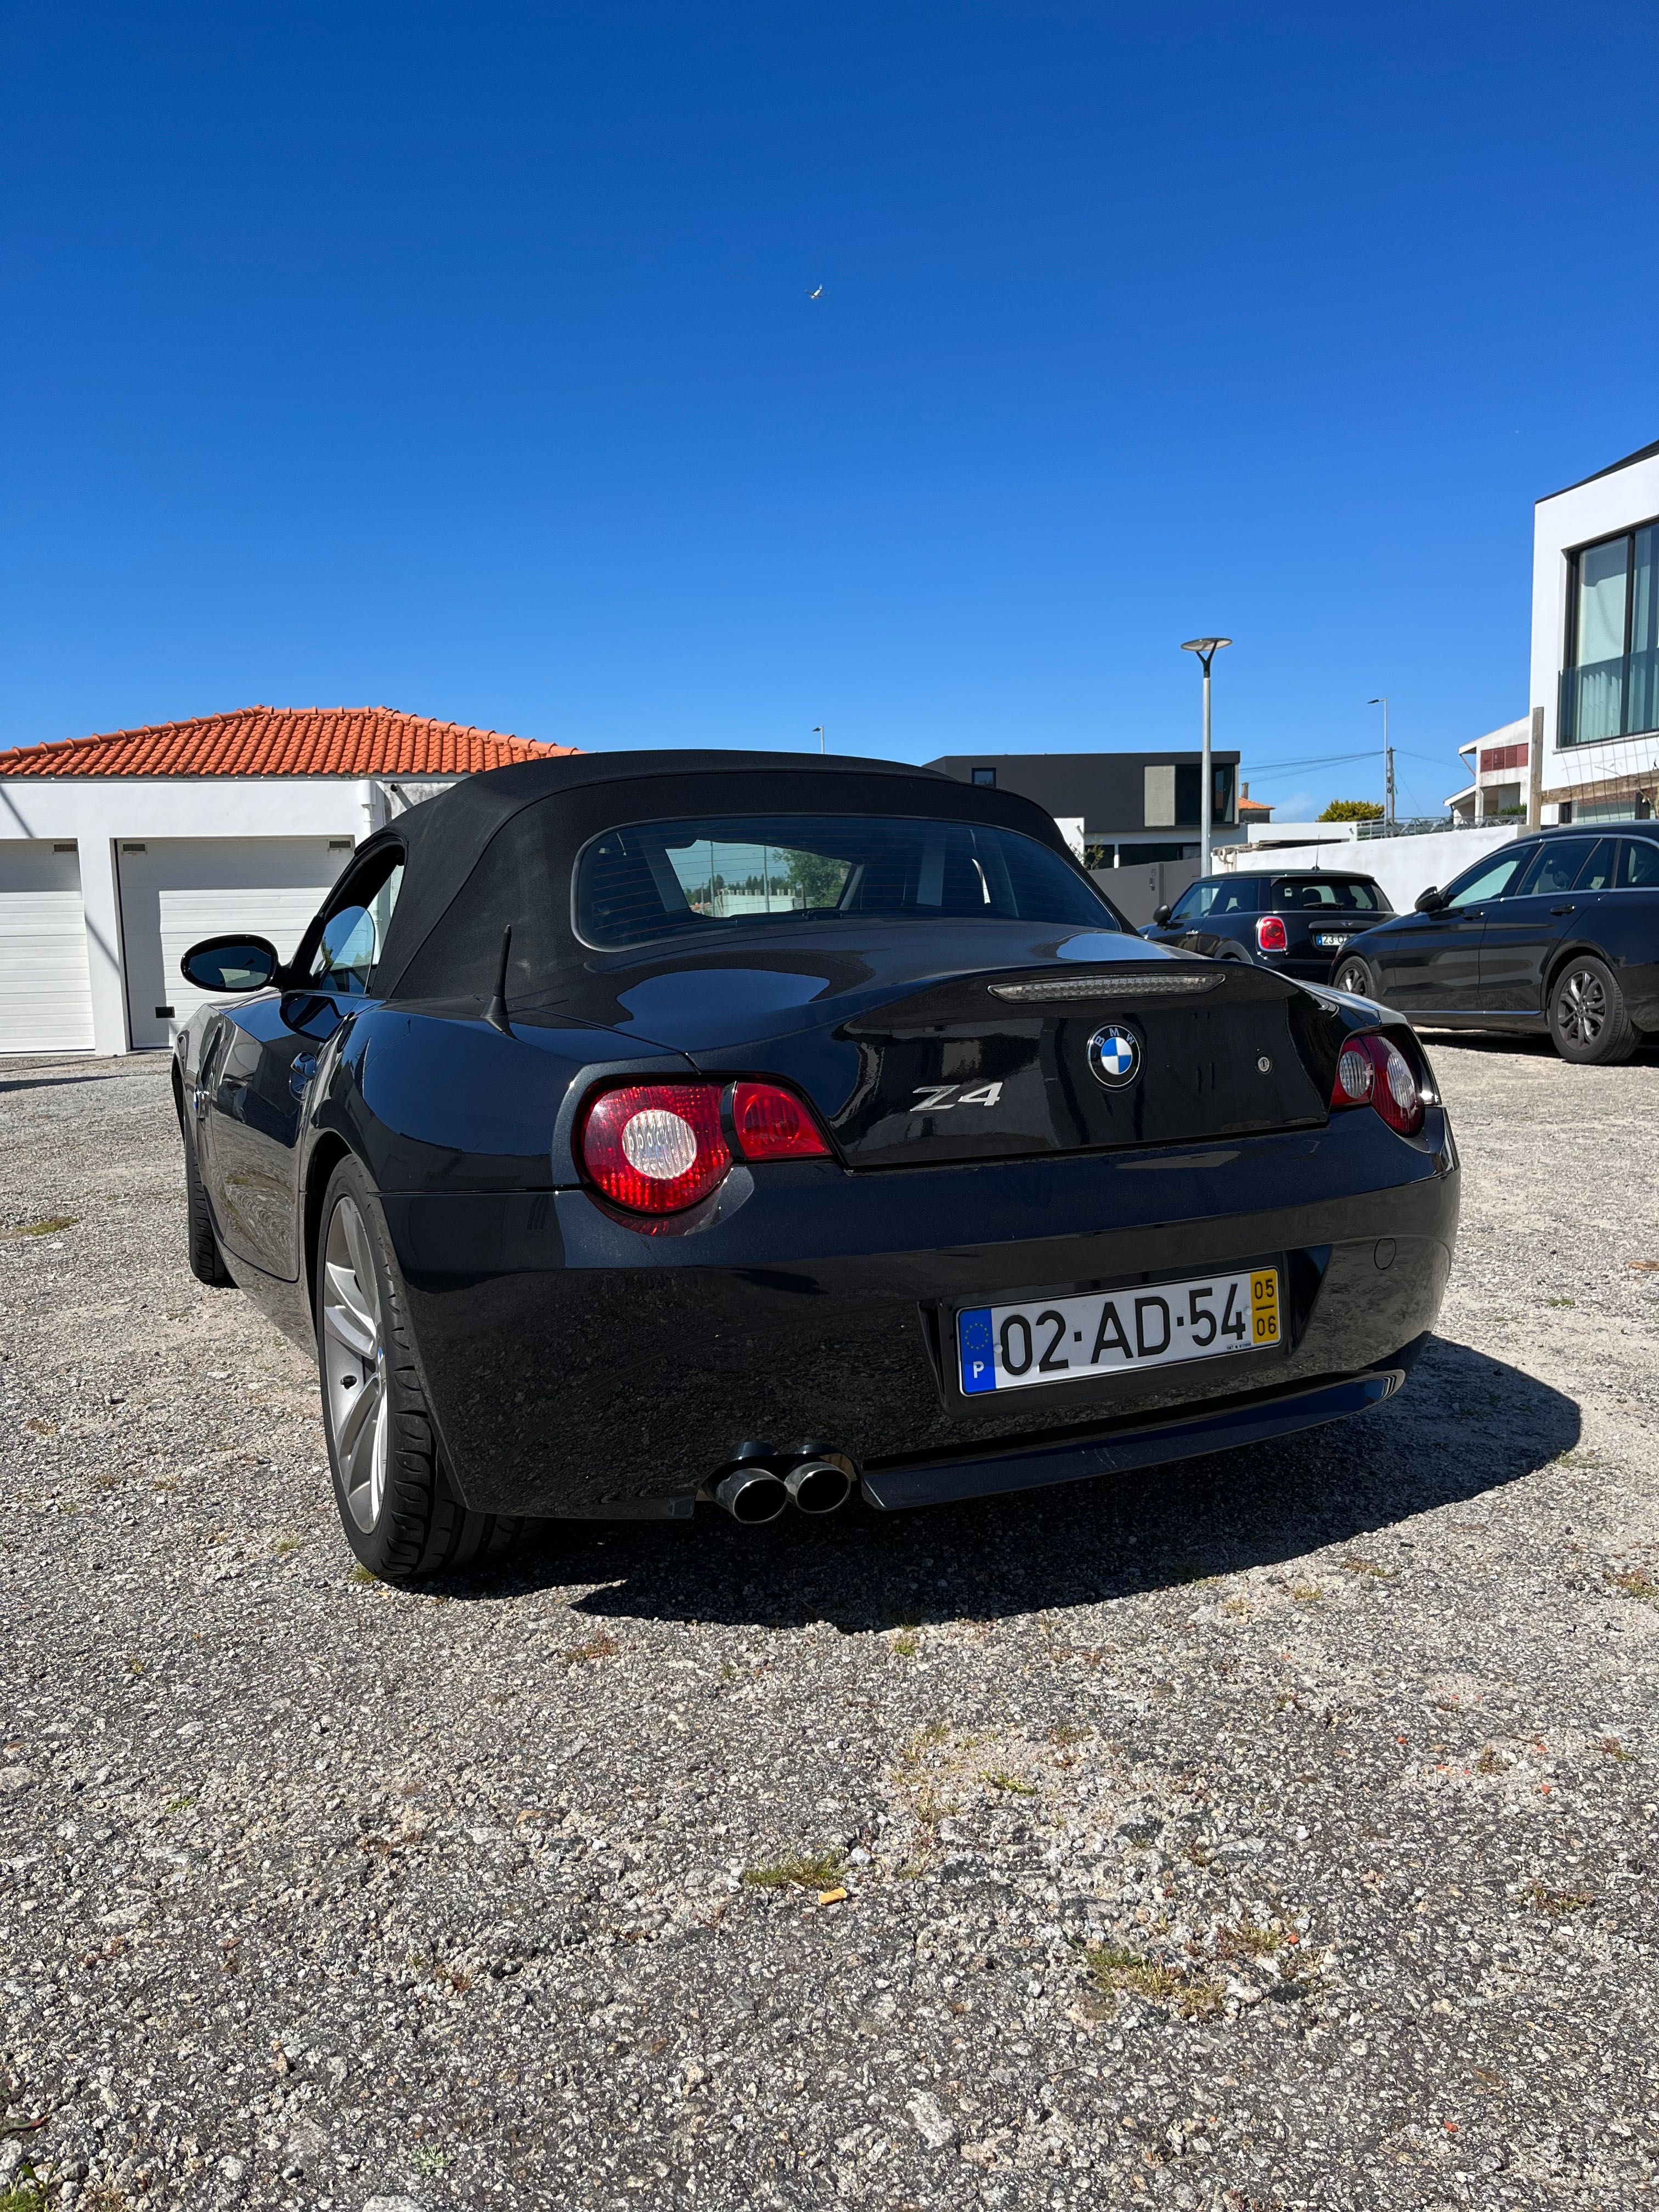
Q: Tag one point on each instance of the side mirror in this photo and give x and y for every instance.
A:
(1431, 901)
(1160, 915)
(231, 964)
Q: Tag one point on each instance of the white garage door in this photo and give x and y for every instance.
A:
(177, 890)
(46, 988)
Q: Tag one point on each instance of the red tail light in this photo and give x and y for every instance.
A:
(1374, 1071)
(773, 1124)
(655, 1147)
(660, 1147)
(1270, 934)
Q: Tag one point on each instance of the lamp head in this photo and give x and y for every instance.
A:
(1206, 645)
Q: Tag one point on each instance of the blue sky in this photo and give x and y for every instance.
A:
(462, 359)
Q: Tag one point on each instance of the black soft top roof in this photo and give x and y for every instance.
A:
(450, 838)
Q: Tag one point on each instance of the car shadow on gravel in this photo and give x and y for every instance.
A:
(1467, 1425)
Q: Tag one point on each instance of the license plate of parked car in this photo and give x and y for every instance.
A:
(1072, 1339)
(1331, 937)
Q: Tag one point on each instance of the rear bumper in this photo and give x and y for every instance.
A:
(576, 1366)
(1150, 1443)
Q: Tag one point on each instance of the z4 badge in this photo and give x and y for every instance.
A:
(939, 1097)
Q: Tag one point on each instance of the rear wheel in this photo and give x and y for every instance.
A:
(1354, 974)
(207, 1261)
(399, 1513)
(1590, 1021)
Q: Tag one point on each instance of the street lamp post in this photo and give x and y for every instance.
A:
(817, 732)
(1387, 763)
(1206, 649)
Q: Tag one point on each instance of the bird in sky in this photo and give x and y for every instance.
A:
(817, 294)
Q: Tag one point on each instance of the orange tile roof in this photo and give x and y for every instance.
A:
(283, 741)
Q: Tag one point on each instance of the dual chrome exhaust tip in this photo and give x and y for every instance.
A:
(756, 1491)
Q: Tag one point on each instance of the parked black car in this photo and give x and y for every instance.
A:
(635, 1129)
(1559, 932)
(1295, 923)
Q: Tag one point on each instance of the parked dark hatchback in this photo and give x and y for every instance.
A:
(1559, 932)
(1297, 924)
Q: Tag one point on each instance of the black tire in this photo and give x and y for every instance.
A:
(207, 1261)
(1352, 973)
(1589, 1023)
(416, 1525)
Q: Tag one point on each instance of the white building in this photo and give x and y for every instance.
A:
(117, 853)
(1594, 692)
(1498, 769)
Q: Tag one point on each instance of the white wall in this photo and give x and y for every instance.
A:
(1561, 522)
(100, 811)
(1403, 866)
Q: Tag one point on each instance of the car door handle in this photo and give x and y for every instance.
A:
(304, 1068)
(1568, 909)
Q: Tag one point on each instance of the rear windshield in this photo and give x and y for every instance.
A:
(1334, 894)
(712, 874)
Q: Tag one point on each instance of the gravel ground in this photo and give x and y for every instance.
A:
(1274, 1830)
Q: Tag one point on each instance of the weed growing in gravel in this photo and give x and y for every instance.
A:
(49, 1227)
(1561, 1302)
(1637, 1582)
(1556, 1902)
(603, 1646)
(176, 1805)
(906, 1646)
(1011, 1783)
(283, 1545)
(1492, 1762)
(1358, 1566)
(361, 1573)
(1121, 1974)
(25, 2194)
(802, 1873)
(1246, 1941)
(1614, 1749)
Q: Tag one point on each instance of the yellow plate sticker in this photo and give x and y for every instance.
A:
(1264, 1306)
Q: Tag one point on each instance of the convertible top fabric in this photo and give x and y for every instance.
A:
(500, 848)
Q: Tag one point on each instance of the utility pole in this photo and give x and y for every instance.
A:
(1206, 649)
(1388, 764)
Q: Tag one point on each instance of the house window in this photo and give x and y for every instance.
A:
(986, 777)
(1610, 682)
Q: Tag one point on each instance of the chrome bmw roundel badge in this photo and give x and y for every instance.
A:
(1114, 1056)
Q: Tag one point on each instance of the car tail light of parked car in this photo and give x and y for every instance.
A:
(659, 1147)
(1270, 935)
(1373, 1071)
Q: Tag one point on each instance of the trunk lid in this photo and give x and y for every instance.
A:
(916, 1055)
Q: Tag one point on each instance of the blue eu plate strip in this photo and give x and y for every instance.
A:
(976, 1351)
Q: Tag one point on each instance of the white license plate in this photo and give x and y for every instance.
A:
(1332, 937)
(1109, 1332)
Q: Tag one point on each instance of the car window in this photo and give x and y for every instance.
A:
(1638, 865)
(1596, 874)
(354, 928)
(1331, 894)
(705, 877)
(1222, 897)
(1490, 880)
(1555, 869)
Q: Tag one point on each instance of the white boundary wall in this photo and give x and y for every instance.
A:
(1403, 866)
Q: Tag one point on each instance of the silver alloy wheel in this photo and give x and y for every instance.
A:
(1355, 981)
(1581, 1006)
(354, 1364)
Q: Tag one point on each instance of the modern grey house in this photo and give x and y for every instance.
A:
(1130, 810)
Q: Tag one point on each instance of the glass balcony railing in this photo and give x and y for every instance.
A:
(1610, 698)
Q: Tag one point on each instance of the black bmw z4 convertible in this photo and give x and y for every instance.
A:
(633, 1130)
